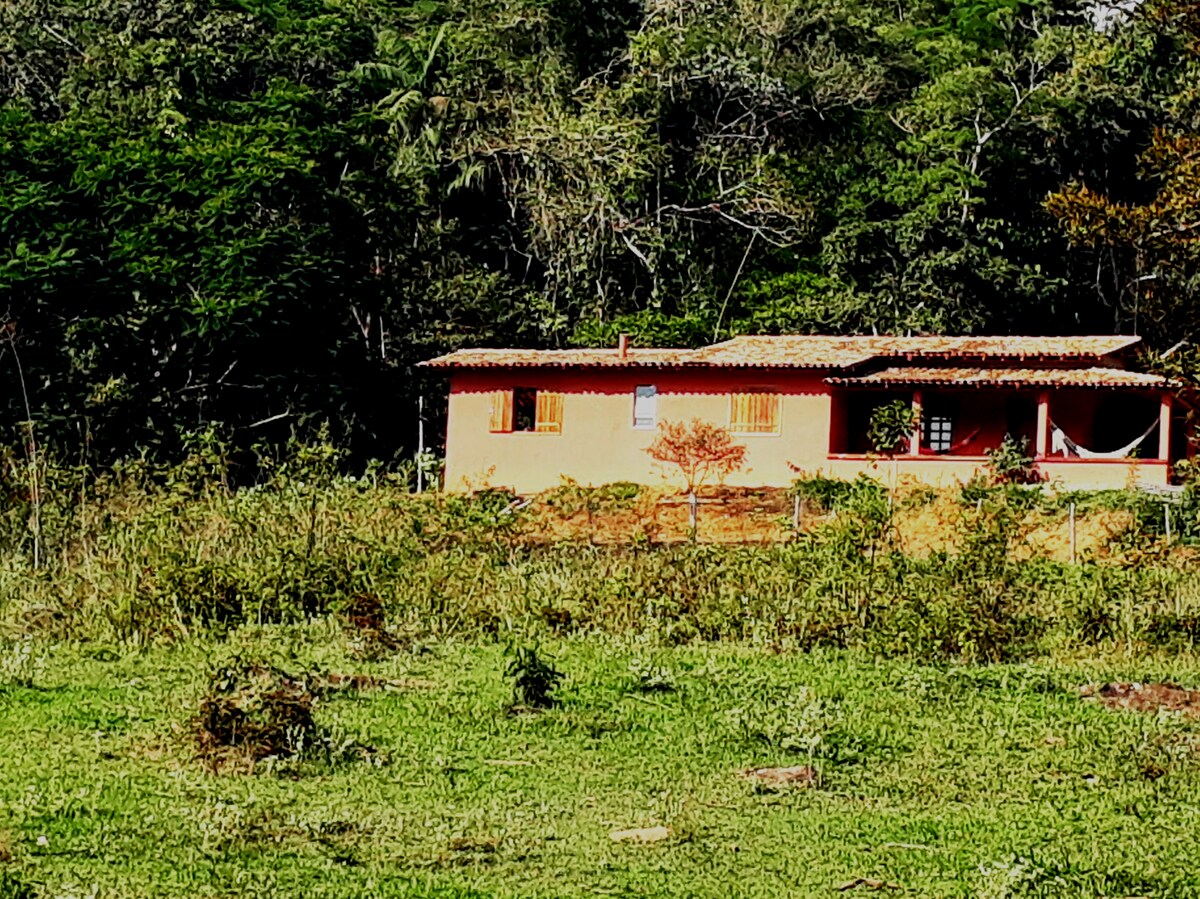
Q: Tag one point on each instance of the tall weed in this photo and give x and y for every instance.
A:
(141, 555)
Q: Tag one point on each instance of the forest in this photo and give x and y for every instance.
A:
(262, 213)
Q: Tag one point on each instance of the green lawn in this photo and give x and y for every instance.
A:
(948, 781)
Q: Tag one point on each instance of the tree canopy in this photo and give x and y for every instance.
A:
(263, 212)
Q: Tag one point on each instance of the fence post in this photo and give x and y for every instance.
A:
(1167, 521)
(692, 513)
(796, 513)
(1073, 544)
(421, 443)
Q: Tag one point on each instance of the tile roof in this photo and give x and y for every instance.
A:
(789, 352)
(484, 358)
(841, 352)
(1002, 377)
(798, 351)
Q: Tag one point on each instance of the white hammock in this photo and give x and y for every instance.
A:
(1060, 442)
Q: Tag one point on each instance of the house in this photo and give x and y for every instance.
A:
(526, 419)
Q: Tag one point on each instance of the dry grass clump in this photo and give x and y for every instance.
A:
(253, 711)
(1145, 697)
(365, 623)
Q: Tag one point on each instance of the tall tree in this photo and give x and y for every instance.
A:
(1142, 228)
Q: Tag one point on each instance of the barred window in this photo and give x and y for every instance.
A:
(938, 433)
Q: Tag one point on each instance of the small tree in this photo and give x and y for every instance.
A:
(700, 450)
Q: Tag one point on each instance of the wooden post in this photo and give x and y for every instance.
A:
(1043, 425)
(914, 441)
(1167, 521)
(421, 444)
(1164, 428)
(796, 513)
(692, 513)
(1073, 544)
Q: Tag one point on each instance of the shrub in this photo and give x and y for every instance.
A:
(831, 494)
(1012, 463)
(891, 427)
(534, 680)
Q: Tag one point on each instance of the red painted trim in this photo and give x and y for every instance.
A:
(1048, 460)
(903, 457)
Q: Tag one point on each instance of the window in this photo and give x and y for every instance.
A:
(938, 433)
(645, 406)
(526, 409)
(754, 412)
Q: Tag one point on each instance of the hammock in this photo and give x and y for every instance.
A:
(954, 447)
(1059, 441)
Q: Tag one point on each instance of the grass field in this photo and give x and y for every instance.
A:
(948, 780)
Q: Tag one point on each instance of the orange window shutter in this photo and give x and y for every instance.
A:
(502, 403)
(739, 412)
(768, 413)
(754, 413)
(769, 420)
(549, 412)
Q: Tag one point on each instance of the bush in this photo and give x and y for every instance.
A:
(831, 494)
(534, 680)
(1012, 463)
(145, 566)
(891, 427)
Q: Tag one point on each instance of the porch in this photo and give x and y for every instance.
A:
(1081, 437)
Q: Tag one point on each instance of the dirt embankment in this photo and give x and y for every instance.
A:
(924, 520)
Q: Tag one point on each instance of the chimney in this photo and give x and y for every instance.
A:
(623, 346)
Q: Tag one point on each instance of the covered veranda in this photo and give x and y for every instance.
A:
(1086, 428)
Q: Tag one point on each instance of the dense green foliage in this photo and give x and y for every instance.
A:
(146, 555)
(262, 212)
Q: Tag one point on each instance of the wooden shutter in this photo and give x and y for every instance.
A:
(756, 412)
(549, 412)
(739, 413)
(502, 409)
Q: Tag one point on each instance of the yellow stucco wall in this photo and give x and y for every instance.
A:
(948, 471)
(599, 445)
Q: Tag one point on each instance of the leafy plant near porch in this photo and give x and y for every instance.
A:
(892, 426)
(1012, 463)
(699, 450)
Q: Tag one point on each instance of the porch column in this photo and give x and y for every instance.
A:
(1043, 425)
(914, 442)
(1164, 428)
